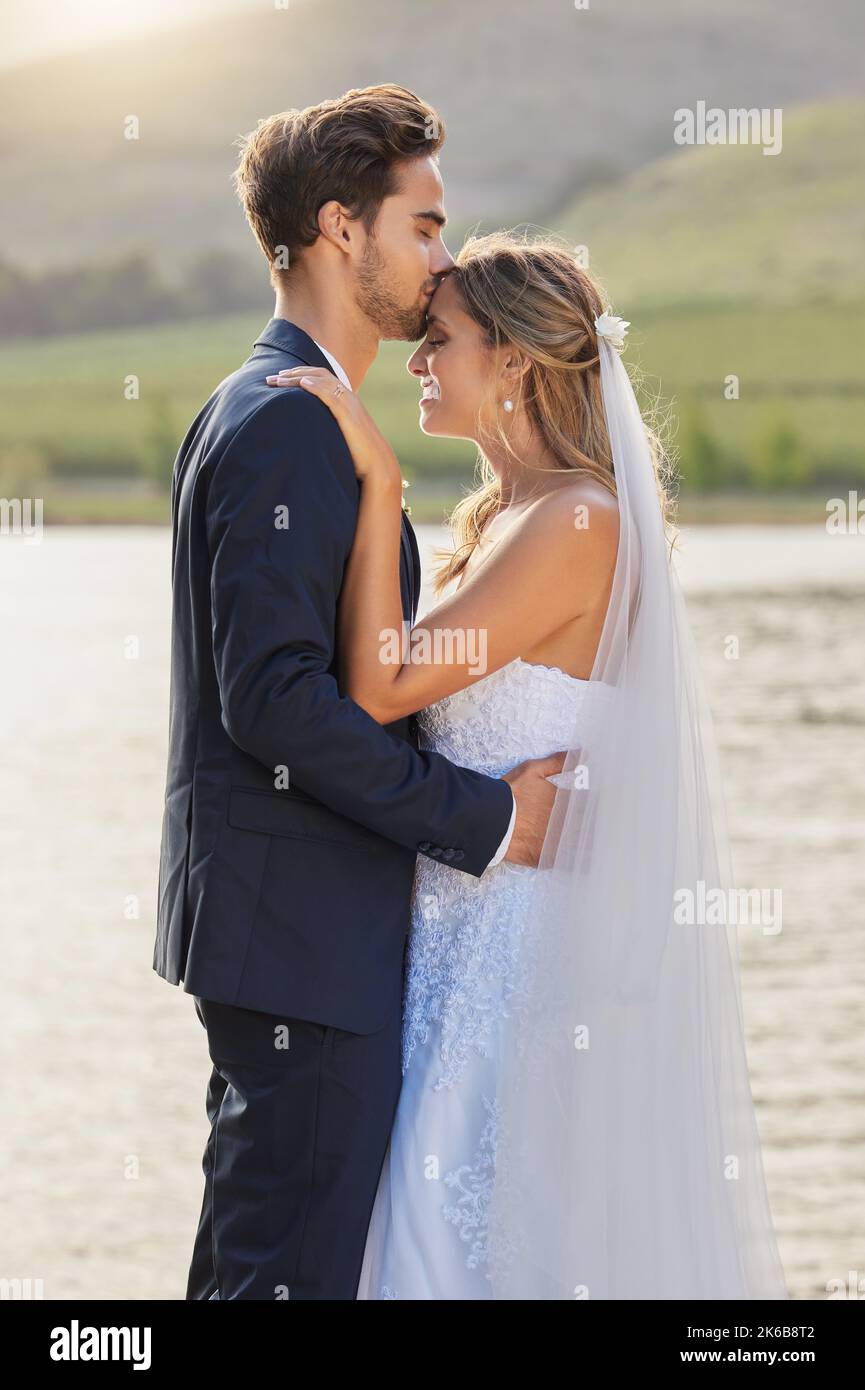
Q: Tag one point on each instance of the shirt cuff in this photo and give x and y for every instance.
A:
(503, 847)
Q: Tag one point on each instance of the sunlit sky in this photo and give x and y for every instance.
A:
(38, 28)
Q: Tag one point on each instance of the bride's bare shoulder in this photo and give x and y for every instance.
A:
(580, 508)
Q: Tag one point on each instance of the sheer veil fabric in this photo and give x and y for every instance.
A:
(628, 1160)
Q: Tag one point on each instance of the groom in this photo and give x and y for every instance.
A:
(292, 819)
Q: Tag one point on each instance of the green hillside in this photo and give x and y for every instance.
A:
(66, 419)
(725, 224)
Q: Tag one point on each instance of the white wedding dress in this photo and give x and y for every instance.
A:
(576, 1118)
(427, 1237)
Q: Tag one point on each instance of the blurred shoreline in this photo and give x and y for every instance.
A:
(132, 503)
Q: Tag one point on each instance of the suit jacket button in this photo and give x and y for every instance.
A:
(424, 846)
(459, 854)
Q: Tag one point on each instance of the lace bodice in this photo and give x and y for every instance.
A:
(520, 711)
(465, 930)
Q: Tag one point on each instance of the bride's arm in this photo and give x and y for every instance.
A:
(542, 574)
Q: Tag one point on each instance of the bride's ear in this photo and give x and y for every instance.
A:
(514, 368)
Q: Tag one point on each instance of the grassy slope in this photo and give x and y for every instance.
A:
(62, 399)
(726, 224)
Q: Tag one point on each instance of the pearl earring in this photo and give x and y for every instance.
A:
(509, 405)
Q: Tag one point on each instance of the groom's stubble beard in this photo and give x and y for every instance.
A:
(377, 299)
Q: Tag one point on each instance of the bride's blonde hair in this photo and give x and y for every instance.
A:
(534, 295)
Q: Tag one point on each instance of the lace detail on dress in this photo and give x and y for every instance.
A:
(475, 1182)
(460, 960)
(504, 718)
(465, 932)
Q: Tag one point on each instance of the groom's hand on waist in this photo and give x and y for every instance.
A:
(534, 797)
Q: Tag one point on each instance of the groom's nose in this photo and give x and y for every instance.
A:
(441, 261)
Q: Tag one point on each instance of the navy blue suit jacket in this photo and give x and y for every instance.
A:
(291, 901)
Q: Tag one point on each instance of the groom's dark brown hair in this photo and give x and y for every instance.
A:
(344, 149)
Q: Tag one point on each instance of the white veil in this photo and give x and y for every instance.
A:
(627, 1154)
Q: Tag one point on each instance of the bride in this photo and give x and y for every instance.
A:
(575, 1118)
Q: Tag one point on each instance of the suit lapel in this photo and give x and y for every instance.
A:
(409, 602)
(287, 337)
(412, 562)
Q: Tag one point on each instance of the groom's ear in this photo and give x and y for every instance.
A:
(335, 225)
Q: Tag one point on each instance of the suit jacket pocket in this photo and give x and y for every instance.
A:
(298, 817)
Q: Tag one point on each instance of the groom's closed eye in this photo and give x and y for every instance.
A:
(434, 220)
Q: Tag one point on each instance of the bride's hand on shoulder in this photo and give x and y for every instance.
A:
(374, 459)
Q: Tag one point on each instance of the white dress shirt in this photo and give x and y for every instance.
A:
(503, 847)
(336, 366)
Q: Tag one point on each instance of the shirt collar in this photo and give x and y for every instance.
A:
(287, 337)
(340, 371)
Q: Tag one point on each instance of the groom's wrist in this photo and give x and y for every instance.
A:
(503, 847)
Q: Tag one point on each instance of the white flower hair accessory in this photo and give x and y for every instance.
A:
(613, 329)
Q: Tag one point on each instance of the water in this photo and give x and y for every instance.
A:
(106, 1065)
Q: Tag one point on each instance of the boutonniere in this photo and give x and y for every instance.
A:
(406, 508)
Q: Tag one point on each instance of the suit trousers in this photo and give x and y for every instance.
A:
(300, 1116)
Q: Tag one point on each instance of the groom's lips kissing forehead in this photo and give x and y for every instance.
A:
(438, 280)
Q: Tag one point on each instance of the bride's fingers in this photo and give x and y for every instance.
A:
(319, 373)
(316, 380)
(313, 385)
(288, 375)
(284, 379)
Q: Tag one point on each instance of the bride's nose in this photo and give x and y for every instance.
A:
(416, 364)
